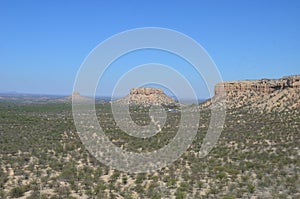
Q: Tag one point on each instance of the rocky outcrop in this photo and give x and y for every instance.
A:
(265, 95)
(146, 97)
(146, 91)
(264, 86)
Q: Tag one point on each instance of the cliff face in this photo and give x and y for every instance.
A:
(266, 94)
(146, 91)
(146, 97)
(264, 86)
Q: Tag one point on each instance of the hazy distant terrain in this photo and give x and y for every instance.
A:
(41, 99)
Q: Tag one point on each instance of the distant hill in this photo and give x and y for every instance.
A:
(76, 96)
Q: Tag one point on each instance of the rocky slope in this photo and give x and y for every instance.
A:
(266, 94)
(147, 97)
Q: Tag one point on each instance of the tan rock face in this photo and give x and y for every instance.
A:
(146, 91)
(147, 96)
(265, 94)
(264, 86)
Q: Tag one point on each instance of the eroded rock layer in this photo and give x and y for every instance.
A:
(260, 86)
(146, 97)
(264, 95)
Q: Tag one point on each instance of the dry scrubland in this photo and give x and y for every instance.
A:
(257, 155)
(41, 156)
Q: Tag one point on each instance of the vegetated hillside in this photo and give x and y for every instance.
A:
(261, 95)
(257, 155)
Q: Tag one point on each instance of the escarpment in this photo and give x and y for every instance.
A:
(266, 94)
(264, 86)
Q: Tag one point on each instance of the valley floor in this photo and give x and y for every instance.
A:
(41, 156)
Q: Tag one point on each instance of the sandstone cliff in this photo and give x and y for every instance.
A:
(146, 97)
(266, 94)
(265, 86)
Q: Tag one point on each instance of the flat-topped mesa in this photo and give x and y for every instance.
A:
(264, 86)
(146, 97)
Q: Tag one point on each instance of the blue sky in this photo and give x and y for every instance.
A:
(43, 43)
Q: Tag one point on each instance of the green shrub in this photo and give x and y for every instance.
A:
(221, 175)
(2, 194)
(17, 192)
(251, 188)
(228, 196)
(180, 195)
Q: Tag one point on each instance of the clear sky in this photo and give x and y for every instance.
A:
(43, 43)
